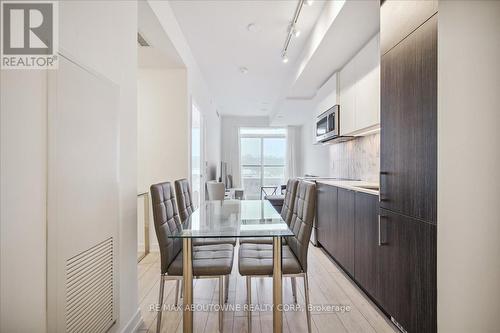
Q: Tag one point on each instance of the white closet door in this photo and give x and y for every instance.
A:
(82, 199)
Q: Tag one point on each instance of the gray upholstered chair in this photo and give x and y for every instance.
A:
(184, 199)
(286, 213)
(186, 208)
(257, 259)
(216, 190)
(211, 261)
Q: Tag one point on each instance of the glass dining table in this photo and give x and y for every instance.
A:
(233, 219)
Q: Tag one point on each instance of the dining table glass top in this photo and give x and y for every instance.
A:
(234, 218)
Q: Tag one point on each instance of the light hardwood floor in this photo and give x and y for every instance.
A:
(328, 285)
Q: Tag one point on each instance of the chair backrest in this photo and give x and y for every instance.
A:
(282, 189)
(184, 200)
(229, 181)
(166, 220)
(289, 201)
(215, 190)
(302, 221)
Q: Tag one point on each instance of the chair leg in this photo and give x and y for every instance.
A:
(160, 302)
(182, 288)
(221, 302)
(306, 295)
(176, 301)
(294, 290)
(249, 303)
(227, 288)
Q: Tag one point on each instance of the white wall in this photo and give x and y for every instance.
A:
(197, 91)
(23, 225)
(162, 107)
(468, 238)
(103, 35)
(213, 135)
(163, 150)
(315, 158)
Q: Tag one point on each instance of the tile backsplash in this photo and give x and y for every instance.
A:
(356, 159)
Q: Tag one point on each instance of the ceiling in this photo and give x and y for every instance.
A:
(218, 35)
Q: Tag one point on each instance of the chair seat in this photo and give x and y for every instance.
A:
(257, 259)
(256, 240)
(214, 241)
(208, 260)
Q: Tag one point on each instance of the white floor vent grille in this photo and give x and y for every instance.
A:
(89, 289)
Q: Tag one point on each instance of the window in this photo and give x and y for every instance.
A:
(262, 158)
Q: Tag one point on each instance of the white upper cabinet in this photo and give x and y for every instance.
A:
(359, 90)
(347, 94)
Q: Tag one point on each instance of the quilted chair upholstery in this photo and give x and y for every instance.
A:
(166, 220)
(302, 221)
(291, 190)
(286, 213)
(257, 259)
(186, 208)
(214, 260)
(184, 200)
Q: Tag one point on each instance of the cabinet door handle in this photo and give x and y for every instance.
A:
(380, 241)
(381, 197)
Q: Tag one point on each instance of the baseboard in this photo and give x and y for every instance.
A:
(134, 323)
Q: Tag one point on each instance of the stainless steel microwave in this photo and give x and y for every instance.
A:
(327, 124)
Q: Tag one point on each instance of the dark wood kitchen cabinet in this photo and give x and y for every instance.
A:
(335, 223)
(366, 248)
(408, 164)
(407, 262)
(398, 19)
(326, 215)
(343, 235)
(408, 160)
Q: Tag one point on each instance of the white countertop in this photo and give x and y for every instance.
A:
(351, 185)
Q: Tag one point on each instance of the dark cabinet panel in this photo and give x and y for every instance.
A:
(366, 256)
(323, 214)
(326, 215)
(408, 161)
(333, 208)
(343, 236)
(398, 19)
(407, 262)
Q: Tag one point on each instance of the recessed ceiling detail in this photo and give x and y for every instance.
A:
(252, 27)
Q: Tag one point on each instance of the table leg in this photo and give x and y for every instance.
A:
(277, 287)
(187, 272)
